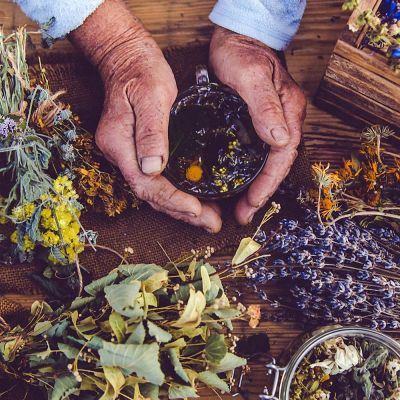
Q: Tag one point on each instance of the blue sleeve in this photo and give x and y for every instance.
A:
(58, 17)
(273, 22)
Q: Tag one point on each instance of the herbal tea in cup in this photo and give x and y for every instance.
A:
(214, 150)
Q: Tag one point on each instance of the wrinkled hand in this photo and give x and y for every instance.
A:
(140, 89)
(276, 105)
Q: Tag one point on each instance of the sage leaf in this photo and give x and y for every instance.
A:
(228, 363)
(215, 349)
(377, 358)
(123, 299)
(64, 386)
(158, 333)
(247, 247)
(178, 368)
(98, 285)
(138, 335)
(181, 392)
(117, 324)
(211, 379)
(141, 359)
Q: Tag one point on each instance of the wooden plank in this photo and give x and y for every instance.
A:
(373, 62)
(361, 80)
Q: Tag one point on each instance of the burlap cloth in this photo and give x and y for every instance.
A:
(143, 230)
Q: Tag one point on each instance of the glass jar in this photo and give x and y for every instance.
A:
(283, 376)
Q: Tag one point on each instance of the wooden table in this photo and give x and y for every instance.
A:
(176, 22)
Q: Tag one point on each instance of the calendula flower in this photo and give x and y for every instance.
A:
(254, 312)
(323, 177)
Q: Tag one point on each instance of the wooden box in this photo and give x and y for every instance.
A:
(359, 85)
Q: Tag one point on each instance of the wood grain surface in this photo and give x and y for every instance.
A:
(176, 22)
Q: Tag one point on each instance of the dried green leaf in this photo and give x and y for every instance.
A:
(247, 247)
(191, 316)
(80, 302)
(123, 299)
(181, 392)
(98, 285)
(215, 349)
(178, 368)
(40, 328)
(211, 379)
(138, 334)
(153, 276)
(69, 351)
(205, 278)
(64, 386)
(118, 326)
(141, 359)
(115, 378)
(228, 363)
(161, 335)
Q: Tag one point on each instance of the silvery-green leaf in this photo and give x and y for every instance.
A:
(40, 328)
(98, 285)
(181, 392)
(118, 326)
(33, 226)
(80, 302)
(211, 379)
(69, 351)
(215, 349)
(152, 275)
(205, 278)
(178, 368)
(123, 299)
(377, 358)
(138, 335)
(64, 386)
(247, 247)
(228, 363)
(158, 333)
(58, 329)
(142, 359)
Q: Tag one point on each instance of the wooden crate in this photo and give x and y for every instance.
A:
(359, 84)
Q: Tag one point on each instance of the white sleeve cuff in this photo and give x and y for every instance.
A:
(59, 17)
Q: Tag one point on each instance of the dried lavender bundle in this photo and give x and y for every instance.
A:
(341, 273)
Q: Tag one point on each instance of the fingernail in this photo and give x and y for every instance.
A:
(280, 135)
(151, 165)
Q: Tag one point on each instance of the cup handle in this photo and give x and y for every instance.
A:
(202, 78)
(272, 368)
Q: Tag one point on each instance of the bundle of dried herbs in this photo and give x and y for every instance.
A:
(140, 332)
(347, 368)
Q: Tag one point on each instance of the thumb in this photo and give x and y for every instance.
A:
(152, 110)
(266, 112)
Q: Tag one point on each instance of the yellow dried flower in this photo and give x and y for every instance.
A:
(24, 212)
(50, 239)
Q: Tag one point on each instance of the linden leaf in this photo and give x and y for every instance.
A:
(69, 351)
(123, 299)
(247, 247)
(180, 343)
(228, 363)
(191, 316)
(215, 349)
(116, 379)
(40, 328)
(141, 359)
(158, 333)
(138, 335)
(64, 386)
(98, 285)
(80, 302)
(181, 392)
(213, 380)
(205, 278)
(178, 368)
(153, 276)
(117, 324)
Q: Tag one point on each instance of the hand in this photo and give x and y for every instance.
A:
(140, 89)
(276, 104)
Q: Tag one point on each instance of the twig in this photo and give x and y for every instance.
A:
(79, 272)
(98, 246)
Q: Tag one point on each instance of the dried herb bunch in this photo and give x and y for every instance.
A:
(345, 368)
(140, 332)
(341, 273)
(49, 162)
(383, 28)
(367, 186)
